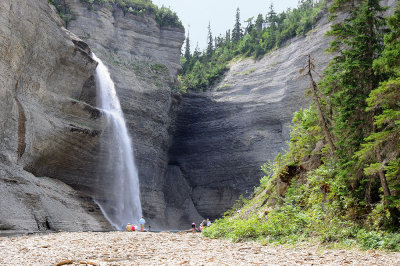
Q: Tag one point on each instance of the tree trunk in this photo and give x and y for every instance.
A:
(321, 115)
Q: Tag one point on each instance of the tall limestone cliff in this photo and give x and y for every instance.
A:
(44, 70)
(223, 136)
(50, 125)
(196, 153)
(143, 60)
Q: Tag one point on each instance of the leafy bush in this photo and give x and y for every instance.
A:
(63, 10)
(167, 17)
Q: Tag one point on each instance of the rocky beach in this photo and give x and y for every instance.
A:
(165, 248)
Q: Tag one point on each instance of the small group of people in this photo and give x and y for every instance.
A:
(201, 226)
(133, 227)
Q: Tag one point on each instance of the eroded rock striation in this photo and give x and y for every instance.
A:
(44, 72)
(196, 153)
(223, 136)
(143, 60)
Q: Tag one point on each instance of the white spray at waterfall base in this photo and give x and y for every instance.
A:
(120, 199)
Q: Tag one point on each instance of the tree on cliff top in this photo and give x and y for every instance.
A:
(237, 31)
(210, 47)
(164, 16)
(187, 55)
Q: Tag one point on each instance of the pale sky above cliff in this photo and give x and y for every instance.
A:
(195, 14)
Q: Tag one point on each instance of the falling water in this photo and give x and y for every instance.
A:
(120, 200)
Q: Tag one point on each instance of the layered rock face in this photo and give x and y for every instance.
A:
(195, 153)
(51, 125)
(44, 73)
(223, 136)
(143, 61)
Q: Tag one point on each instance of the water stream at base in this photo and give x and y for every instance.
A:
(120, 200)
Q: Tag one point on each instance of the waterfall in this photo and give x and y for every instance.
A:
(118, 176)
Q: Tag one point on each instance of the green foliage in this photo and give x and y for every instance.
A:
(237, 32)
(164, 16)
(210, 40)
(63, 10)
(337, 198)
(384, 103)
(204, 70)
(305, 215)
(167, 17)
(187, 56)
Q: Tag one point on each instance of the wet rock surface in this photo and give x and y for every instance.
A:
(128, 248)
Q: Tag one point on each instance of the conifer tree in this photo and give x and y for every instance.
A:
(271, 16)
(382, 149)
(228, 36)
(210, 40)
(249, 26)
(237, 32)
(259, 22)
(350, 79)
(196, 53)
(187, 55)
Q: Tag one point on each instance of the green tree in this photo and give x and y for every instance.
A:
(349, 80)
(271, 16)
(259, 22)
(237, 32)
(196, 53)
(253, 43)
(382, 149)
(210, 39)
(228, 36)
(188, 55)
(249, 26)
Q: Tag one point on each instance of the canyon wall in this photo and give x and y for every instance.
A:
(143, 60)
(224, 136)
(196, 153)
(44, 70)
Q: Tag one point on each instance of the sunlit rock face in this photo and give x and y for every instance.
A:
(46, 125)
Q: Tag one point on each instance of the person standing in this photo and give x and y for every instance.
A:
(193, 227)
(142, 221)
(208, 222)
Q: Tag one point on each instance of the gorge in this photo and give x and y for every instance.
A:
(195, 153)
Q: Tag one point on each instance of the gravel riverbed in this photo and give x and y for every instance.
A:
(135, 248)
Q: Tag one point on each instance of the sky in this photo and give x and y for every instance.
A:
(195, 15)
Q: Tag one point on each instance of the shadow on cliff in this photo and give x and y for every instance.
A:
(215, 153)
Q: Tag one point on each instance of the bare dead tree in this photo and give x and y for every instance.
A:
(314, 89)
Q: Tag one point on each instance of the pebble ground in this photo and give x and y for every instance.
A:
(135, 248)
